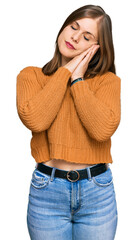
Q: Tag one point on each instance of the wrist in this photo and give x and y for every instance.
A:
(76, 77)
(77, 80)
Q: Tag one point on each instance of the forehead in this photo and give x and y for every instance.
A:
(88, 25)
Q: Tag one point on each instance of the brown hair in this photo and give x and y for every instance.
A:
(103, 60)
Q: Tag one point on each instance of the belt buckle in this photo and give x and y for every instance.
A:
(68, 176)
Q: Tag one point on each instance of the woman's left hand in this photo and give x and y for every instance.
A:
(83, 65)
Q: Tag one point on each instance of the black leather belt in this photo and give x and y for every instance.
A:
(73, 175)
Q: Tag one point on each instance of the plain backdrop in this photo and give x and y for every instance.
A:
(28, 32)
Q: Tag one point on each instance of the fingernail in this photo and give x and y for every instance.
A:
(97, 48)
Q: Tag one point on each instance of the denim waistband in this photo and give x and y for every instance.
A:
(86, 168)
(75, 169)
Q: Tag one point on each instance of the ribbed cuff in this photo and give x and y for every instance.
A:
(77, 80)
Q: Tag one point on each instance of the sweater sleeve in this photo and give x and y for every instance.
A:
(99, 111)
(37, 106)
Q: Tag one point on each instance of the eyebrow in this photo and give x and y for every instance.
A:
(85, 31)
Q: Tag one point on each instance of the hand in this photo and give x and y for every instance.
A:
(72, 64)
(82, 66)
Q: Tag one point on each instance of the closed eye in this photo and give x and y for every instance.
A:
(73, 28)
(84, 36)
(86, 39)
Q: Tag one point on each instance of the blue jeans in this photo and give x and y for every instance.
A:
(62, 210)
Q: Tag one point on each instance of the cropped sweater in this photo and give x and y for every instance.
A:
(74, 123)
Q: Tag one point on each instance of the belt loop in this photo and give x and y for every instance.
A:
(36, 165)
(89, 173)
(52, 174)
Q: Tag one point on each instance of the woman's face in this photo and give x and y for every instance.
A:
(82, 34)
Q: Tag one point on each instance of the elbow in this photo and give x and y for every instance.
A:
(105, 133)
(101, 138)
(32, 122)
(32, 126)
(105, 136)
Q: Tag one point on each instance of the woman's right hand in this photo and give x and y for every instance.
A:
(72, 64)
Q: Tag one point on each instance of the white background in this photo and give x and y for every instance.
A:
(28, 32)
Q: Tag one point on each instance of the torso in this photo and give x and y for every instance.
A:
(64, 165)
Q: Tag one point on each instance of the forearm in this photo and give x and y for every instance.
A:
(100, 114)
(38, 107)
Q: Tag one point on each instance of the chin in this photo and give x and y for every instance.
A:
(67, 54)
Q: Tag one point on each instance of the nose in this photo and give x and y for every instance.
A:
(75, 37)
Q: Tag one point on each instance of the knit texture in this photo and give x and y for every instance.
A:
(74, 123)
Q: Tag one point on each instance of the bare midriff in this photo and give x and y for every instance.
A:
(64, 165)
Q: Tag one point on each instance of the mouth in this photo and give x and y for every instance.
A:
(69, 45)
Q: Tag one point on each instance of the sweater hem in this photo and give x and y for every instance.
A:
(74, 155)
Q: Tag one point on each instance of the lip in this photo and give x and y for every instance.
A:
(69, 45)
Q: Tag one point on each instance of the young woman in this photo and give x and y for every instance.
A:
(72, 107)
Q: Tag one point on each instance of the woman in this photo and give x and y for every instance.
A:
(72, 107)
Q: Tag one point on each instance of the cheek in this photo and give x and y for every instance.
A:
(59, 39)
(84, 46)
(63, 34)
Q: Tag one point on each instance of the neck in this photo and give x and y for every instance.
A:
(64, 60)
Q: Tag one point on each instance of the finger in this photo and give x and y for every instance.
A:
(95, 49)
(90, 54)
(88, 57)
(84, 53)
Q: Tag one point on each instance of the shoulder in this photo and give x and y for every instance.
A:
(31, 73)
(30, 70)
(107, 78)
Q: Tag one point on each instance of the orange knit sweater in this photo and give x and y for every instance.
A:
(74, 123)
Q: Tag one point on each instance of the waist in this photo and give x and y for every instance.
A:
(64, 165)
(73, 175)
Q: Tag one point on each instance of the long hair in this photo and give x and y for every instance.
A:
(103, 60)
